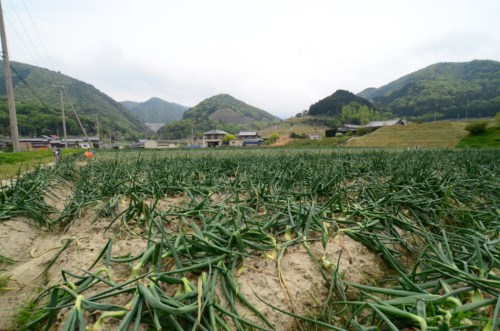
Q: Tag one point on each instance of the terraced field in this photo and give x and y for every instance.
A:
(435, 135)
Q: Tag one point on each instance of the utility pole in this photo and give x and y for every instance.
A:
(98, 135)
(10, 89)
(78, 118)
(62, 114)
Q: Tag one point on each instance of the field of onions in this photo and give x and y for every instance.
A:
(262, 239)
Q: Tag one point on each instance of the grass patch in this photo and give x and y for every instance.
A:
(489, 138)
(324, 142)
(13, 163)
(26, 314)
(4, 262)
(4, 281)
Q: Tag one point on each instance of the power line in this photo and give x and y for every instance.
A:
(22, 40)
(38, 36)
(27, 34)
(32, 90)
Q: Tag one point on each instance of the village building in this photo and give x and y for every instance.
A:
(248, 138)
(76, 143)
(236, 143)
(45, 143)
(213, 138)
(248, 135)
(379, 124)
(156, 144)
(30, 144)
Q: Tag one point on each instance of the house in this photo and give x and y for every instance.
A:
(315, 136)
(76, 142)
(152, 144)
(248, 135)
(248, 138)
(379, 124)
(213, 138)
(29, 144)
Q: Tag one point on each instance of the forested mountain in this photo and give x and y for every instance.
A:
(156, 110)
(333, 104)
(39, 109)
(221, 112)
(445, 90)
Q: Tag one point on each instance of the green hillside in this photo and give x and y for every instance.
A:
(333, 104)
(440, 134)
(222, 112)
(38, 105)
(444, 90)
(156, 110)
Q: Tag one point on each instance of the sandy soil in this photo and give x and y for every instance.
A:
(282, 141)
(298, 288)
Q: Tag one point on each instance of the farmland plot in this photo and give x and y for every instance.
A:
(254, 240)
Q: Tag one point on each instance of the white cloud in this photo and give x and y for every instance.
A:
(278, 55)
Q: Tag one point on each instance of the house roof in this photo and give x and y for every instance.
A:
(34, 140)
(375, 124)
(248, 133)
(351, 126)
(216, 132)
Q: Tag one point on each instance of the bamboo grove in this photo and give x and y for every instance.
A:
(445, 278)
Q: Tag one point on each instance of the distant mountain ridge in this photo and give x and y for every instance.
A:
(222, 112)
(156, 110)
(451, 90)
(38, 105)
(226, 103)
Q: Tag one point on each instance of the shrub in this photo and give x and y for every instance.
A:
(330, 132)
(476, 128)
(274, 136)
(228, 137)
(298, 135)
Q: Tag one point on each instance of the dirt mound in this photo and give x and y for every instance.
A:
(294, 283)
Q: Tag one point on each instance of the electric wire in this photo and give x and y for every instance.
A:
(27, 34)
(32, 90)
(38, 36)
(21, 39)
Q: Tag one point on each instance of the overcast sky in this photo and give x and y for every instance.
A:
(278, 55)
